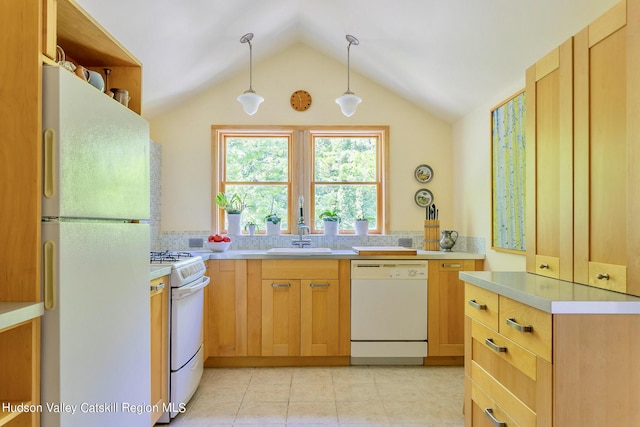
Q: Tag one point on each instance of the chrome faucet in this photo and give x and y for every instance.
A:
(301, 243)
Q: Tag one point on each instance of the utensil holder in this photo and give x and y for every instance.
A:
(431, 235)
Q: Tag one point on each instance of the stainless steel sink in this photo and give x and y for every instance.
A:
(299, 251)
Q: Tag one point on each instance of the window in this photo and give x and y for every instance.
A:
(335, 168)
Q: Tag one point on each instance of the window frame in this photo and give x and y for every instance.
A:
(300, 168)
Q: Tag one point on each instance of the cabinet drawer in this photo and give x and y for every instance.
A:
(608, 276)
(548, 266)
(297, 269)
(526, 325)
(515, 369)
(481, 405)
(481, 305)
(503, 398)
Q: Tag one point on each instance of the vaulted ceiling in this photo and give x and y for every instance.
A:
(446, 56)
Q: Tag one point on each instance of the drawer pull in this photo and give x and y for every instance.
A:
(518, 327)
(477, 306)
(318, 285)
(458, 265)
(280, 285)
(489, 413)
(604, 276)
(494, 346)
(157, 287)
(543, 266)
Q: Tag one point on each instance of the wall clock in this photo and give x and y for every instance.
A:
(300, 100)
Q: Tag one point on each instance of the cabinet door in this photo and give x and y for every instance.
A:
(226, 332)
(446, 306)
(319, 317)
(549, 164)
(159, 308)
(603, 192)
(280, 317)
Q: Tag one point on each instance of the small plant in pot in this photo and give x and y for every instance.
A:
(273, 223)
(362, 224)
(331, 221)
(233, 205)
(251, 227)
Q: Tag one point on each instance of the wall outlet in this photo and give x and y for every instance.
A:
(405, 242)
(196, 243)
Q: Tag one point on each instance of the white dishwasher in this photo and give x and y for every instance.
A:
(388, 312)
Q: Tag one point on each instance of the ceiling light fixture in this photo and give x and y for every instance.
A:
(249, 99)
(349, 100)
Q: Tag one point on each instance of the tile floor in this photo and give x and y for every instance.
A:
(344, 396)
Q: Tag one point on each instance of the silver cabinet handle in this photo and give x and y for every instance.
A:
(458, 265)
(280, 285)
(477, 306)
(543, 266)
(494, 346)
(49, 275)
(489, 413)
(319, 285)
(517, 326)
(157, 287)
(48, 163)
(604, 276)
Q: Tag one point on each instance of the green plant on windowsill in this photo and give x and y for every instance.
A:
(234, 204)
(330, 215)
(361, 217)
(272, 217)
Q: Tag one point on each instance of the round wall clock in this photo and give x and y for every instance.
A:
(300, 100)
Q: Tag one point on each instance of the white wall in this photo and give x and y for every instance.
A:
(415, 136)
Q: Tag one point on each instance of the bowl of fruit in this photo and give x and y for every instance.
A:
(219, 243)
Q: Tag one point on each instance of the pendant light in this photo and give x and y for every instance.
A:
(249, 99)
(349, 100)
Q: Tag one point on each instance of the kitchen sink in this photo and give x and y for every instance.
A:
(299, 251)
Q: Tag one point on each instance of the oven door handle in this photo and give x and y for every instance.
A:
(185, 291)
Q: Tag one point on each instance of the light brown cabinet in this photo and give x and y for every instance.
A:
(528, 367)
(446, 307)
(300, 308)
(159, 325)
(30, 30)
(549, 133)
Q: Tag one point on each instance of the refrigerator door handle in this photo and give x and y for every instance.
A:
(49, 275)
(49, 163)
(185, 291)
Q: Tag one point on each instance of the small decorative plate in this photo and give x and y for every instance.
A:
(424, 173)
(423, 197)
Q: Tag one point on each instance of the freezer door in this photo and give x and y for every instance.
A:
(95, 152)
(96, 330)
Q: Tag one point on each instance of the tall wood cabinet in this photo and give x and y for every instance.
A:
(30, 30)
(159, 325)
(583, 134)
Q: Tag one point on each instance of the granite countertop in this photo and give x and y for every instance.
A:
(553, 295)
(335, 254)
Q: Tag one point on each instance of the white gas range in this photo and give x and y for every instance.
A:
(186, 306)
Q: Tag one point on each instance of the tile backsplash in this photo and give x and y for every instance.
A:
(182, 240)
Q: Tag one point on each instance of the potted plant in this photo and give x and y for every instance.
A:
(272, 221)
(361, 224)
(331, 221)
(251, 227)
(233, 205)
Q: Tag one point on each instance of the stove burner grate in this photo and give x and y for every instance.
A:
(168, 256)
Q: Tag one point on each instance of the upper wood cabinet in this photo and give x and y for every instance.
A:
(549, 88)
(606, 140)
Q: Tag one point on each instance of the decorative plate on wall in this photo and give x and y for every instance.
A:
(424, 173)
(423, 197)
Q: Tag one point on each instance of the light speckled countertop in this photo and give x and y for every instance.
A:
(13, 313)
(335, 254)
(552, 295)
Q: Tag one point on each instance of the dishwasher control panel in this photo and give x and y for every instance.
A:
(388, 269)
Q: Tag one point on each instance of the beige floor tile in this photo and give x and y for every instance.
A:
(312, 392)
(220, 393)
(351, 374)
(311, 375)
(407, 412)
(365, 412)
(403, 392)
(312, 413)
(262, 413)
(272, 376)
(206, 413)
(258, 392)
(355, 392)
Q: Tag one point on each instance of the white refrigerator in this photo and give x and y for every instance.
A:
(95, 248)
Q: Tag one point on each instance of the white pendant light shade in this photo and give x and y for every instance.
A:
(249, 99)
(250, 102)
(348, 103)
